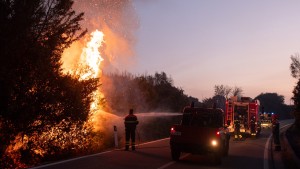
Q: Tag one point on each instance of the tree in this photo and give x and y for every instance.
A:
(35, 95)
(296, 99)
(237, 91)
(295, 66)
(295, 72)
(145, 93)
(274, 103)
(222, 90)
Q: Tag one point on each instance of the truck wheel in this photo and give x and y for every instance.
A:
(175, 154)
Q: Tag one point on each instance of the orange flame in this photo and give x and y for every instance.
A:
(90, 57)
(87, 66)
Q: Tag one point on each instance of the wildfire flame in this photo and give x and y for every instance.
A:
(88, 66)
(90, 57)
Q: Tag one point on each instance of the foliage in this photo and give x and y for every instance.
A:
(218, 101)
(295, 72)
(223, 90)
(272, 102)
(296, 99)
(144, 93)
(237, 91)
(36, 100)
(295, 66)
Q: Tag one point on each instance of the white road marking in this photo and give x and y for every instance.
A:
(172, 162)
(153, 141)
(73, 159)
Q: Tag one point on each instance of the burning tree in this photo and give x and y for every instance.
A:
(39, 105)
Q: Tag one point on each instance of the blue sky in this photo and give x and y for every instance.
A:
(205, 43)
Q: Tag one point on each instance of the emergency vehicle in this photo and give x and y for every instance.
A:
(266, 120)
(201, 131)
(243, 109)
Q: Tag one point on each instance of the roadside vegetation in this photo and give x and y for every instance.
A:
(293, 133)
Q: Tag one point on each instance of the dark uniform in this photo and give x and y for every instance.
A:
(130, 126)
(252, 126)
(275, 128)
(237, 126)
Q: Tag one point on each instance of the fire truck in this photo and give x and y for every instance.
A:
(246, 111)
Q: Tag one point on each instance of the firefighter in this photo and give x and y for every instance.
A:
(275, 130)
(130, 125)
(252, 126)
(237, 126)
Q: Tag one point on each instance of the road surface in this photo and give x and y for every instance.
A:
(250, 153)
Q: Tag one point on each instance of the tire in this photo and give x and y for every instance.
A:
(175, 153)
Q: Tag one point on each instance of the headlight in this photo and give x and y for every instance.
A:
(214, 143)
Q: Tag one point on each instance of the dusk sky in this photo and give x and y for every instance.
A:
(201, 44)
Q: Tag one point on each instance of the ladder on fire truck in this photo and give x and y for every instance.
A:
(229, 111)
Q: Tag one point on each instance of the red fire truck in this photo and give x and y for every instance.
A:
(246, 111)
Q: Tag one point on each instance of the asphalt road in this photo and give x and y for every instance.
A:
(250, 153)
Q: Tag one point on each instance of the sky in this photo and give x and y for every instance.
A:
(203, 43)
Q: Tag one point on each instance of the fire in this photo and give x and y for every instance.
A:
(87, 66)
(90, 58)
(84, 59)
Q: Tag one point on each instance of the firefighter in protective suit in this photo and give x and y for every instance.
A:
(130, 125)
(275, 130)
(237, 126)
(252, 126)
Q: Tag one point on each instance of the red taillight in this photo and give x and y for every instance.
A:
(218, 133)
(175, 132)
(172, 131)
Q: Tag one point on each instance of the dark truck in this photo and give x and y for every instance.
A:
(202, 131)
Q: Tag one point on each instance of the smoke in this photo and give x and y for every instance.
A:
(118, 20)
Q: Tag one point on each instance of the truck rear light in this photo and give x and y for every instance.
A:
(214, 143)
(174, 132)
